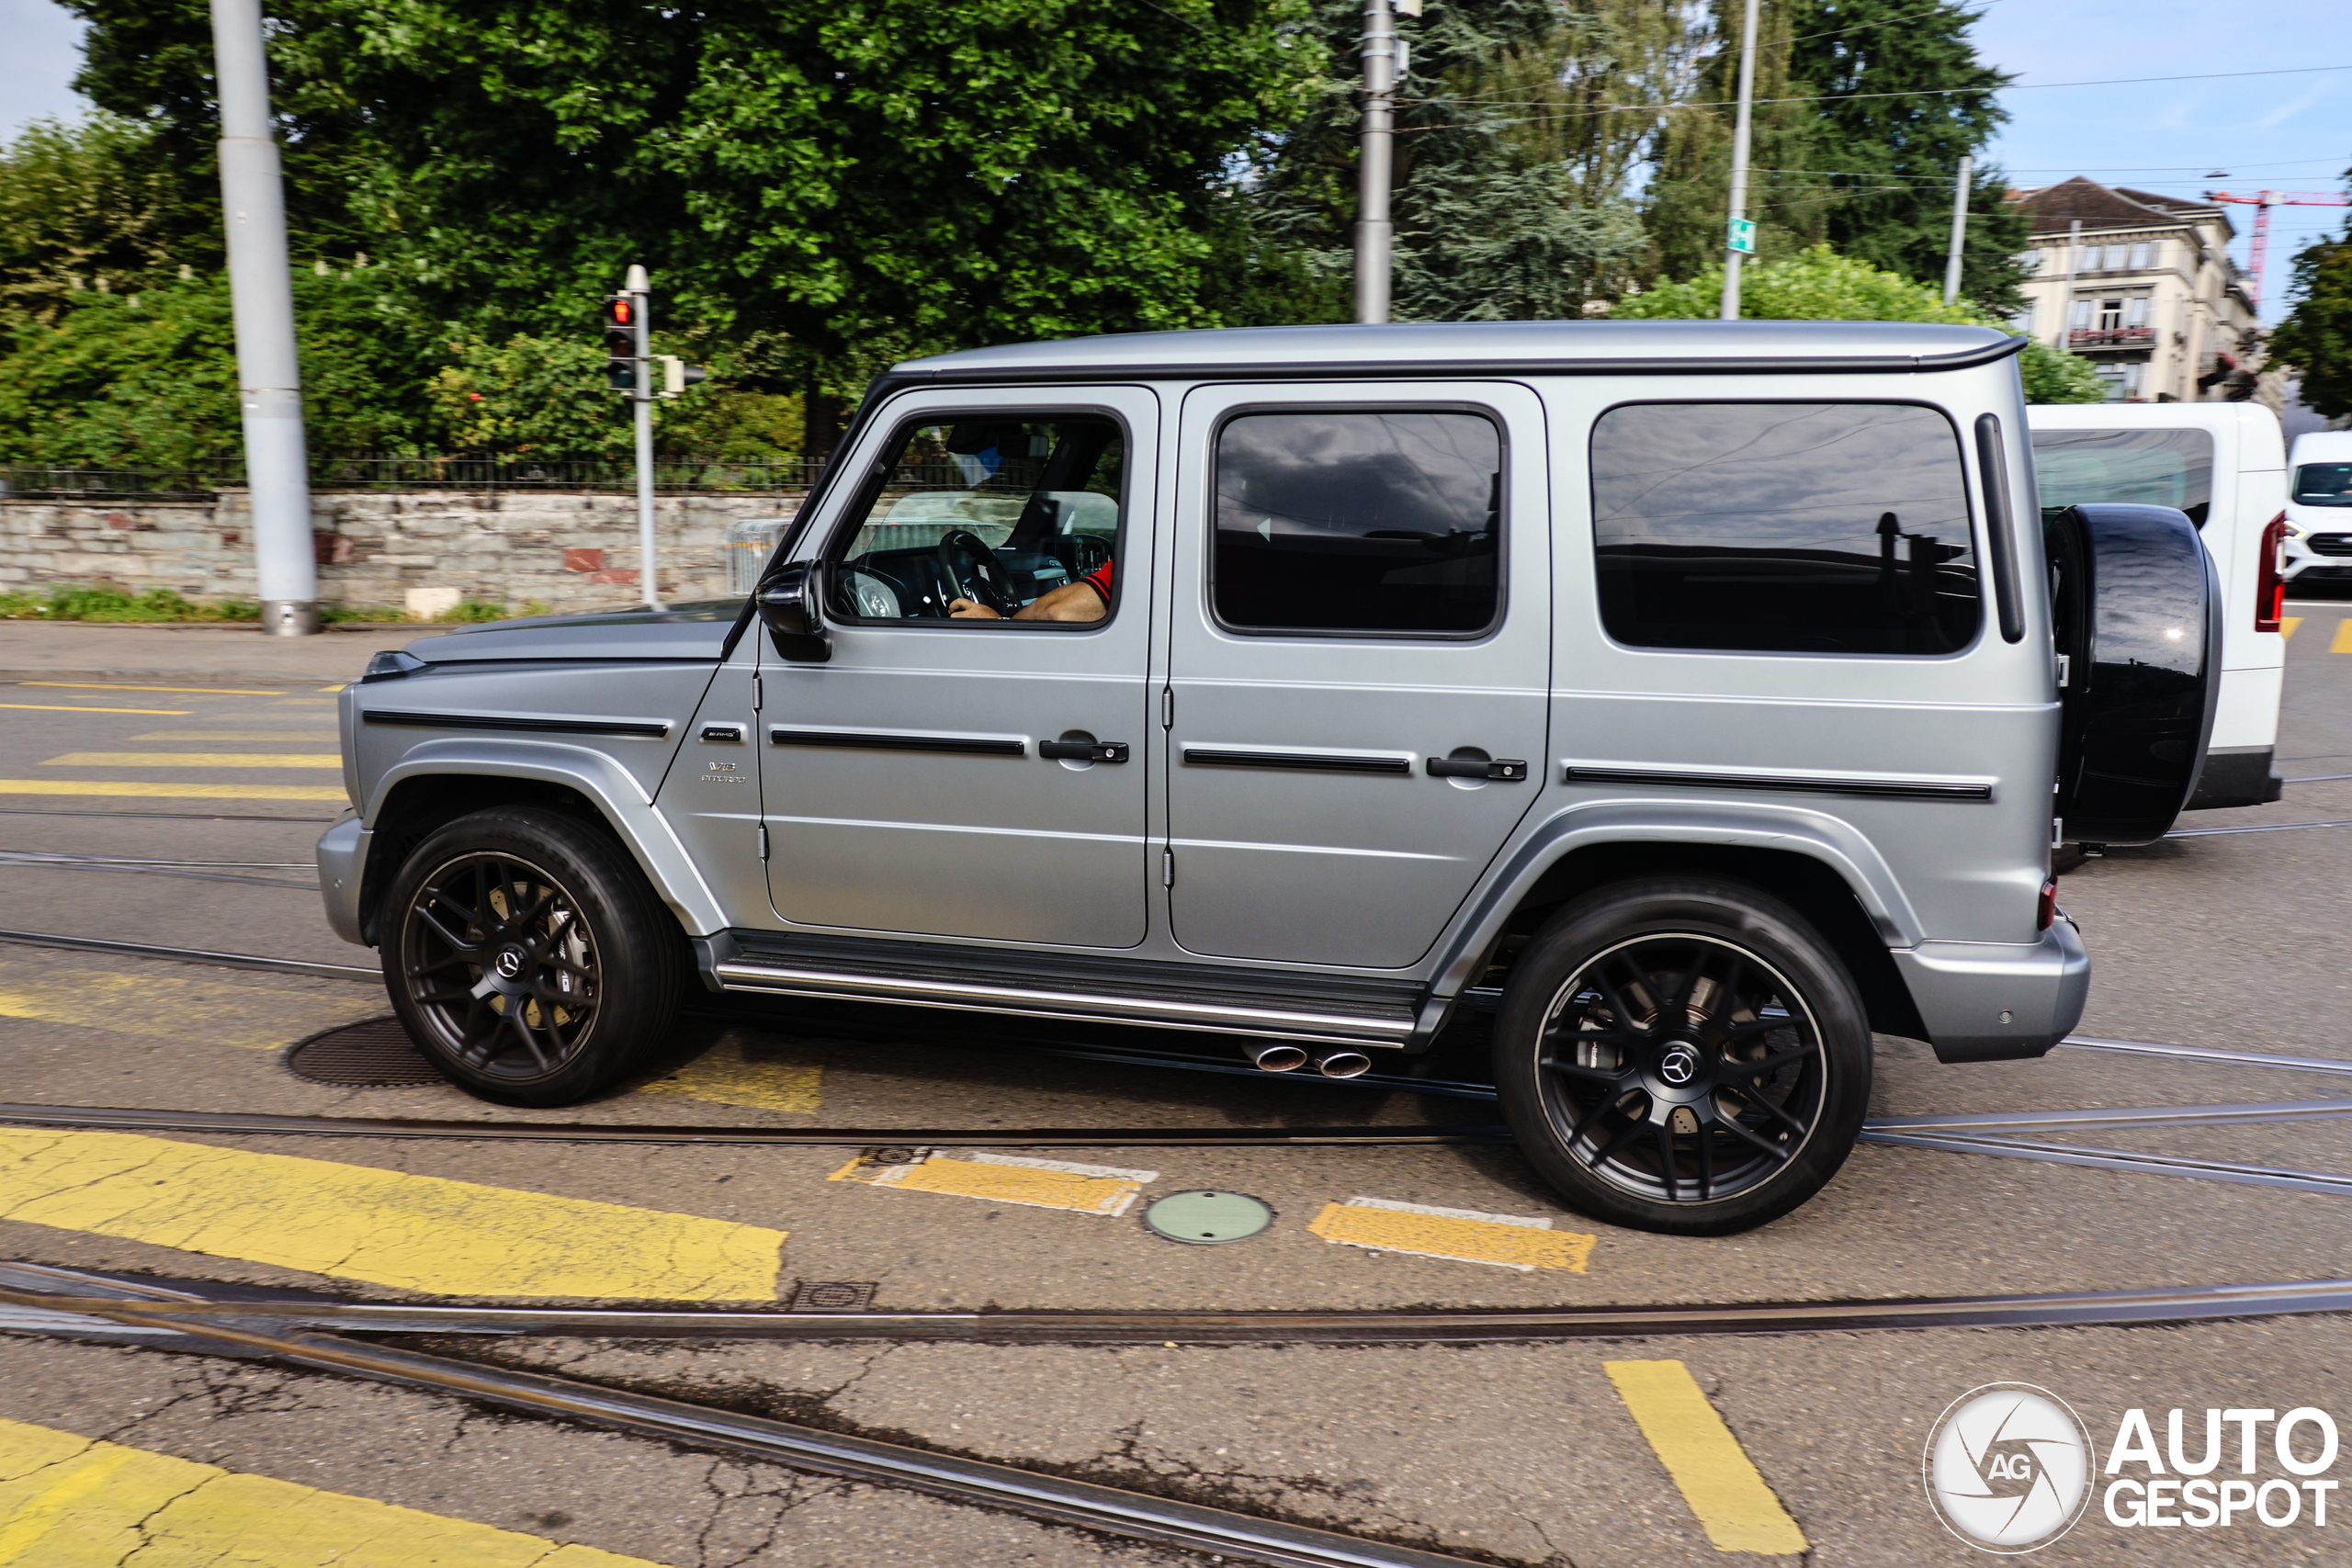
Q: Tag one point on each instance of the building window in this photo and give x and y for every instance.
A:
(2110, 315)
(2135, 311)
(2079, 319)
(2143, 255)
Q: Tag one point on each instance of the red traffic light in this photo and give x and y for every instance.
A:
(620, 310)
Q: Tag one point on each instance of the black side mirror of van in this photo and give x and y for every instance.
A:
(792, 607)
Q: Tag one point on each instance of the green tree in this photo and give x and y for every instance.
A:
(1903, 96)
(92, 205)
(1818, 285)
(2316, 336)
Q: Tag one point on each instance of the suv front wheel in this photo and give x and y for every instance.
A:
(1683, 1055)
(527, 956)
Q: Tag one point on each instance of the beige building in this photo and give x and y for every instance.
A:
(2143, 286)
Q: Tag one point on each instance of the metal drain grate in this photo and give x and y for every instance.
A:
(374, 1054)
(834, 1295)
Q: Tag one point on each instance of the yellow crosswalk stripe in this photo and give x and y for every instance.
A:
(128, 790)
(729, 1074)
(2342, 643)
(75, 1502)
(176, 1007)
(2287, 625)
(196, 760)
(382, 1227)
(83, 707)
(1712, 1471)
(292, 735)
(1008, 1178)
(1461, 1235)
(192, 691)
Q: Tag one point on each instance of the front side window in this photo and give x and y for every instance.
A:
(1783, 528)
(2324, 484)
(2149, 467)
(987, 517)
(1379, 522)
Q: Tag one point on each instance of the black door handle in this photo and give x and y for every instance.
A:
(1083, 751)
(1469, 765)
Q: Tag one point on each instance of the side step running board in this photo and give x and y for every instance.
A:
(1106, 1006)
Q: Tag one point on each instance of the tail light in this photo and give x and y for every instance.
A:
(2047, 910)
(2270, 583)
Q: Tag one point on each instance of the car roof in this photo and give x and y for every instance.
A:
(1527, 347)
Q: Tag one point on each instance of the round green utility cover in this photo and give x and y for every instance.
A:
(1203, 1219)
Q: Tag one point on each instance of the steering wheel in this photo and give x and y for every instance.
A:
(978, 575)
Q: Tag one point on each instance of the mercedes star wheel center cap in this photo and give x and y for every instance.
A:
(510, 963)
(1679, 1065)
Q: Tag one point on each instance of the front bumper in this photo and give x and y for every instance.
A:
(343, 859)
(1989, 1001)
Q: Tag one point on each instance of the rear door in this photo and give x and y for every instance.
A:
(911, 784)
(1360, 592)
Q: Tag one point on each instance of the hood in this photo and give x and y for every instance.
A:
(695, 631)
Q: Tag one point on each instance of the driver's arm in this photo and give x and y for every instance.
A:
(1070, 602)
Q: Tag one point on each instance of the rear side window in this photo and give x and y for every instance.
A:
(2151, 468)
(1357, 521)
(1783, 528)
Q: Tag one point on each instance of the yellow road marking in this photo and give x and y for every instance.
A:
(728, 1073)
(172, 1007)
(2287, 625)
(289, 735)
(193, 691)
(144, 791)
(1712, 1471)
(2342, 643)
(75, 1502)
(82, 707)
(1463, 1235)
(196, 760)
(1008, 1178)
(384, 1227)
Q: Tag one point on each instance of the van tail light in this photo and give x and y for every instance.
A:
(2271, 583)
(2046, 910)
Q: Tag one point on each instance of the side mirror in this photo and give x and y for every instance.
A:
(792, 606)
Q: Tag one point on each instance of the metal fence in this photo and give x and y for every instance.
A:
(379, 472)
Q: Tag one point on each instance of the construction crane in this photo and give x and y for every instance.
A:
(2262, 202)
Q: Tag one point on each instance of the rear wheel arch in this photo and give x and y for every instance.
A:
(1809, 885)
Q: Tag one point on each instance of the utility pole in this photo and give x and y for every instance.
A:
(1740, 239)
(641, 396)
(1959, 226)
(2064, 343)
(269, 379)
(1382, 54)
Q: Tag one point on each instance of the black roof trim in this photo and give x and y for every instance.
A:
(894, 381)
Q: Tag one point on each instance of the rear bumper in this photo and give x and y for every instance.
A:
(1984, 1001)
(343, 858)
(2239, 775)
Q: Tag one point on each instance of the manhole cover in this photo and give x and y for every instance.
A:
(374, 1054)
(1205, 1219)
(834, 1295)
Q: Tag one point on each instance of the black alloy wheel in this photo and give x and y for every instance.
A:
(1683, 1055)
(528, 957)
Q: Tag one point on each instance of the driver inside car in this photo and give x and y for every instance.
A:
(1087, 599)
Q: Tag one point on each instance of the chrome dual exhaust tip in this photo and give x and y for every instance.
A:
(1277, 1058)
(1343, 1065)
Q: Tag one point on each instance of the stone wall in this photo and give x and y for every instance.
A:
(571, 551)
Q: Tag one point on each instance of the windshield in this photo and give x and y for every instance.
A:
(2150, 467)
(2324, 484)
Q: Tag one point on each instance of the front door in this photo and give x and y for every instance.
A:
(1359, 641)
(969, 761)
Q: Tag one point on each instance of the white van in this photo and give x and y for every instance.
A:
(2225, 465)
(2319, 508)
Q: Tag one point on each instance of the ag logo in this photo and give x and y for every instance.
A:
(2009, 1467)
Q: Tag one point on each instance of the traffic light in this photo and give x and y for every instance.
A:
(677, 374)
(624, 328)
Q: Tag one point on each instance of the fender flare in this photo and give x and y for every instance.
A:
(1747, 824)
(615, 793)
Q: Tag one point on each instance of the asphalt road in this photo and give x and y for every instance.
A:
(1519, 1453)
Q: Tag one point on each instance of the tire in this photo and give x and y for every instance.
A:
(541, 1009)
(1682, 1130)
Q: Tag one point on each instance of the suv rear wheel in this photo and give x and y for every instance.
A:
(526, 956)
(1683, 1055)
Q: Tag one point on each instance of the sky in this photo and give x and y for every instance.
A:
(2283, 132)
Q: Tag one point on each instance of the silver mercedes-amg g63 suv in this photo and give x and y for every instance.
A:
(1692, 696)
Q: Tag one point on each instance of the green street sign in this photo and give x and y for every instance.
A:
(1743, 236)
